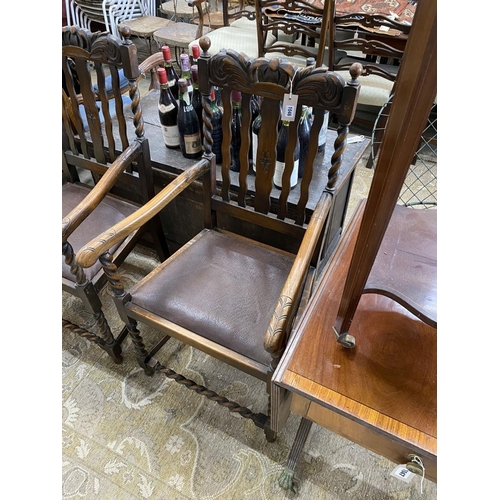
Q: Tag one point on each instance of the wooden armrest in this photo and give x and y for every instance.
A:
(89, 254)
(277, 332)
(99, 191)
(151, 62)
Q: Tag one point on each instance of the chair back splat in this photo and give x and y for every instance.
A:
(103, 182)
(233, 291)
(306, 25)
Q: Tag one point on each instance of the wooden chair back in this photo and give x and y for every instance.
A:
(97, 62)
(247, 196)
(305, 20)
(375, 49)
(93, 64)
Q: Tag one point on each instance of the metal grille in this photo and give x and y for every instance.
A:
(420, 186)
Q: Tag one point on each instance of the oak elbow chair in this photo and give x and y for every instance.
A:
(100, 187)
(233, 291)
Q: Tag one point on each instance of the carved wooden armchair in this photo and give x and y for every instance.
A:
(233, 291)
(100, 187)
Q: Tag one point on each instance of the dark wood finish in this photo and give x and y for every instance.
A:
(414, 94)
(383, 394)
(370, 39)
(202, 294)
(109, 173)
(374, 33)
(271, 17)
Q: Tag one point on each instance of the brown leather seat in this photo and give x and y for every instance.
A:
(108, 212)
(199, 289)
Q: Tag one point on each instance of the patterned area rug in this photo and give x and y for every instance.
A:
(130, 437)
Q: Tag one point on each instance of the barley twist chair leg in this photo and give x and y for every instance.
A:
(259, 419)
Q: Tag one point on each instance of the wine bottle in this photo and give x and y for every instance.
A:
(186, 73)
(187, 121)
(217, 128)
(280, 157)
(255, 139)
(322, 132)
(168, 112)
(196, 99)
(172, 76)
(255, 109)
(195, 49)
(304, 133)
(218, 98)
(235, 131)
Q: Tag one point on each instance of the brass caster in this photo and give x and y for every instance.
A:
(287, 481)
(346, 340)
(415, 464)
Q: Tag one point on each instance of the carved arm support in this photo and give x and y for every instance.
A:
(89, 254)
(278, 330)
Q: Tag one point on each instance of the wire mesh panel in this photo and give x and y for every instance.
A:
(420, 187)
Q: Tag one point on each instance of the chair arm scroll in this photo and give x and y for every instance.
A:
(153, 61)
(88, 255)
(99, 191)
(278, 330)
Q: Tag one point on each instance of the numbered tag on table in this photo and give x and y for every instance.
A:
(289, 107)
(402, 473)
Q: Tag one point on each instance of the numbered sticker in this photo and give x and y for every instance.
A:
(402, 473)
(289, 107)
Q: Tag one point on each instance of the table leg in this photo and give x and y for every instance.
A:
(287, 480)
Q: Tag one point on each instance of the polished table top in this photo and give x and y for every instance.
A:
(385, 388)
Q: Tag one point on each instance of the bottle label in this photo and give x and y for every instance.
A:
(324, 128)
(190, 89)
(280, 168)
(255, 142)
(192, 143)
(171, 83)
(166, 108)
(171, 135)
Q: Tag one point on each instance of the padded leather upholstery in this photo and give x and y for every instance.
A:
(237, 312)
(108, 212)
